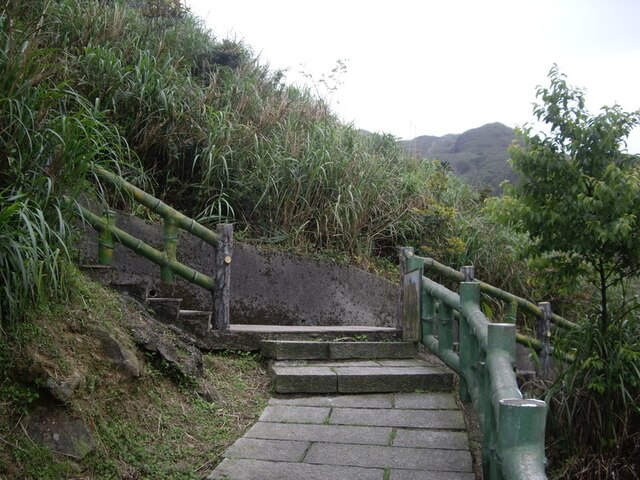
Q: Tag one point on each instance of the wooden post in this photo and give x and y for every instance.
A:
(468, 272)
(222, 287)
(405, 252)
(543, 332)
(411, 292)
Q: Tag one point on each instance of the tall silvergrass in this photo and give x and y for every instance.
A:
(49, 141)
(220, 134)
(225, 139)
(285, 166)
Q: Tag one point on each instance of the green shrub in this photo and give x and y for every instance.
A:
(595, 403)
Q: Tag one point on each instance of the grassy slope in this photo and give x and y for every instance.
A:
(149, 427)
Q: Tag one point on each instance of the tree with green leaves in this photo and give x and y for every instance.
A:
(579, 192)
(578, 200)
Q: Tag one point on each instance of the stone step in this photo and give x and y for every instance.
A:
(196, 322)
(364, 376)
(335, 350)
(165, 309)
(98, 273)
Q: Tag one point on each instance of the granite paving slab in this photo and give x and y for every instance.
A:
(324, 433)
(432, 419)
(267, 449)
(232, 469)
(395, 436)
(435, 401)
(371, 400)
(389, 457)
(294, 414)
(422, 438)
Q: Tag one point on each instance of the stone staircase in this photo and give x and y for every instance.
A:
(349, 367)
(168, 310)
(361, 411)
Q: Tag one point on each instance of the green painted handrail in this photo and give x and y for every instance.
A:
(512, 427)
(453, 300)
(494, 292)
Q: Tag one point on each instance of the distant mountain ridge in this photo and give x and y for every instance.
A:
(478, 155)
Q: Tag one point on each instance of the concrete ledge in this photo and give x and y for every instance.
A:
(323, 350)
(392, 379)
(304, 380)
(371, 350)
(294, 350)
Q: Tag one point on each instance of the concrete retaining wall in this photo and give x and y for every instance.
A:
(266, 287)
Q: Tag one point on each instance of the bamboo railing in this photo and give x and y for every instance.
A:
(221, 240)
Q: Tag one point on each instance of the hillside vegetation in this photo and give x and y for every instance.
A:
(144, 89)
(148, 423)
(478, 155)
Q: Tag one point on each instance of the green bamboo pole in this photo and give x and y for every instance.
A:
(526, 305)
(170, 248)
(148, 251)
(160, 207)
(528, 342)
(105, 242)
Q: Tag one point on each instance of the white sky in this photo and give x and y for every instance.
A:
(435, 67)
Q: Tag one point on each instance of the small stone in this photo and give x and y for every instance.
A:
(65, 389)
(115, 352)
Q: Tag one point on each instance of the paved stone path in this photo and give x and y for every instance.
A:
(401, 436)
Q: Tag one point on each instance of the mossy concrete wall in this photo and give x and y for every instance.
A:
(266, 287)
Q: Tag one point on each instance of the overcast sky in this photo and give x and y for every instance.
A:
(437, 67)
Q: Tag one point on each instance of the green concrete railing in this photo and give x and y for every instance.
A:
(221, 240)
(512, 428)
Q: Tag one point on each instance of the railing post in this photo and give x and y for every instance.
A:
(501, 339)
(485, 414)
(543, 332)
(445, 331)
(512, 313)
(428, 312)
(521, 425)
(105, 241)
(410, 294)
(222, 286)
(170, 248)
(469, 293)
